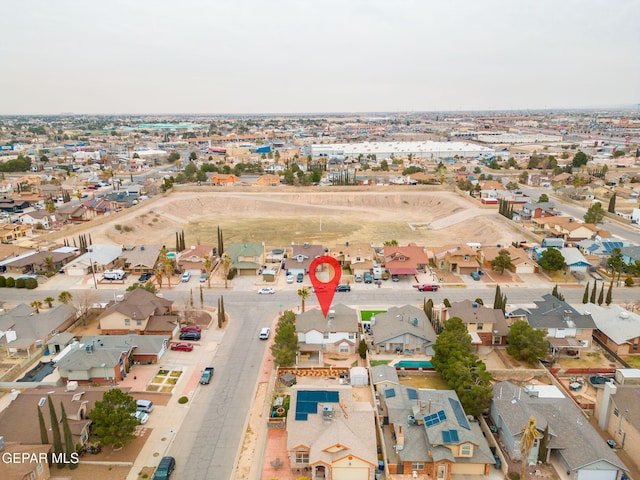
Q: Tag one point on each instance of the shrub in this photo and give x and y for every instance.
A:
(3, 282)
(232, 273)
(183, 400)
(11, 282)
(31, 283)
(118, 227)
(628, 282)
(20, 283)
(514, 476)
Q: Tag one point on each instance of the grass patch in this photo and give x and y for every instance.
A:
(176, 373)
(365, 315)
(163, 372)
(153, 388)
(166, 389)
(634, 362)
(172, 381)
(424, 380)
(380, 362)
(158, 379)
(354, 364)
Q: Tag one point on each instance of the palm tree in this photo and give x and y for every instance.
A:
(207, 268)
(530, 434)
(37, 304)
(49, 301)
(168, 269)
(65, 297)
(303, 293)
(226, 263)
(49, 264)
(158, 274)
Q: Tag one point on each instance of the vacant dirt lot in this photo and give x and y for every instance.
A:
(330, 217)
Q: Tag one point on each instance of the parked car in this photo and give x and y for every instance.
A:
(266, 291)
(144, 406)
(165, 468)
(367, 277)
(146, 276)
(289, 278)
(182, 346)
(142, 417)
(343, 288)
(300, 278)
(191, 328)
(612, 444)
(498, 461)
(428, 288)
(358, 278)
(395, 278)
(203, 277)
(190, 336)
(475, 276)
(186, 276)
(264, 333)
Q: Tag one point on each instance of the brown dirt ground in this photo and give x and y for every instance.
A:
(330, 217)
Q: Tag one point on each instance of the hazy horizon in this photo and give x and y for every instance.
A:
(286, 57)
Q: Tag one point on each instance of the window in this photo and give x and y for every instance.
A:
(466, 450)
(616, 412)
(635, 347)
(325, 335)
(302, 458)
(344, 348)
(139, 322)
(352, 336)
(127, 322)
(466, 258)
(479, 326)
(496, 340)
(417, 466)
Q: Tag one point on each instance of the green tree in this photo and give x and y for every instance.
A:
(585, 295)
(37, 305)
(65, 297)
(594, 292)
(556, 293)
(49, 301)
(502, 261)
(616, 264)
(609, 294)
(55, 429)
(526, 343)
(173, 157)
(551, 260)
(601, 296)
(285, 342)
(69, 447)
(49, 206)
(44, 437)
(384, 166)
(193, 156)
(579, 159)
(594, 214)
(543, 198)
(390, 243)
(612, 204)
(113, 421)
(362, 349)
(303, 293)
(454, 341)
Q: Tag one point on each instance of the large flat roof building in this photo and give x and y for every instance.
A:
(427, 149)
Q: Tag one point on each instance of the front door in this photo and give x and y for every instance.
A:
(442, 472)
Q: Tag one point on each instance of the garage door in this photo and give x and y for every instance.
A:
(346, 473)
(597, 475)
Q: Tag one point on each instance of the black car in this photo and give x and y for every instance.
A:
(343, 288)
(190, 336)
(144, 277)
(166, 466)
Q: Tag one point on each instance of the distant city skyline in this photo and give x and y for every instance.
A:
(291, 57)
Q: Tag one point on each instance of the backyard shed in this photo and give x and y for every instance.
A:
(359, 376)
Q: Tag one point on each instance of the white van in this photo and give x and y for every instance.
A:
(114, 274)
(144, 406)
(264, 333)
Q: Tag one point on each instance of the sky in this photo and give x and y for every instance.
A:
(303, 56)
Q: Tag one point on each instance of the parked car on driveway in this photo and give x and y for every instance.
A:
(475, 276)
(300, 278)
(203, 277)
(266, 291)
(186, 276)
(144, 277)
(191, 328)
(182, 346)
(142, 417)
(290, 278)
(190, 336)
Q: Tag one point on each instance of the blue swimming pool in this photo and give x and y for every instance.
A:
(414, 364)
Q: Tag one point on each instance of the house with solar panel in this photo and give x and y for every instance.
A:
(428, 432)
(330, 434)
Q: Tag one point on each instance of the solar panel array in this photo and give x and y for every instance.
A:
(450, 436)
(435, 418)
(307, 401)
(412, 393)
(459, 413)
(390, 393)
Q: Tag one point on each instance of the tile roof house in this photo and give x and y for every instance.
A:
(486, 325)
(566, 327)
(302, 256)
(134, 313)
(268, 180)
(39, 261)
(534, 210)
(573, 442)
(403, 329)
(11, 232)
(520, 261)
(222, 178)
(140, 258)
(101, 256)
(22, 330)
(246, 257)
(360, 256)
(570, 229)
(32, 470)
(40, 217)
(430, 434)
(616, 327)
(460, 259)
(76, 213)
(330, 434)
(317, 335)
(193, 257)
(405, 259)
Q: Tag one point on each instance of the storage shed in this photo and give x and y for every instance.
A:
(359, 376)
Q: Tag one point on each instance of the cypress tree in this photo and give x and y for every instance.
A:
(601, 296)
(222, 308)
(44, 438)
(612, 204)
(177, 243)
(497, 299)
(585, 295)
(609, 294)
(68, 439)
(55, 428)
(201, 297)
(594, 292)
(219, 314)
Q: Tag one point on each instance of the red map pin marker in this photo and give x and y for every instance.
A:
(325, 290)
